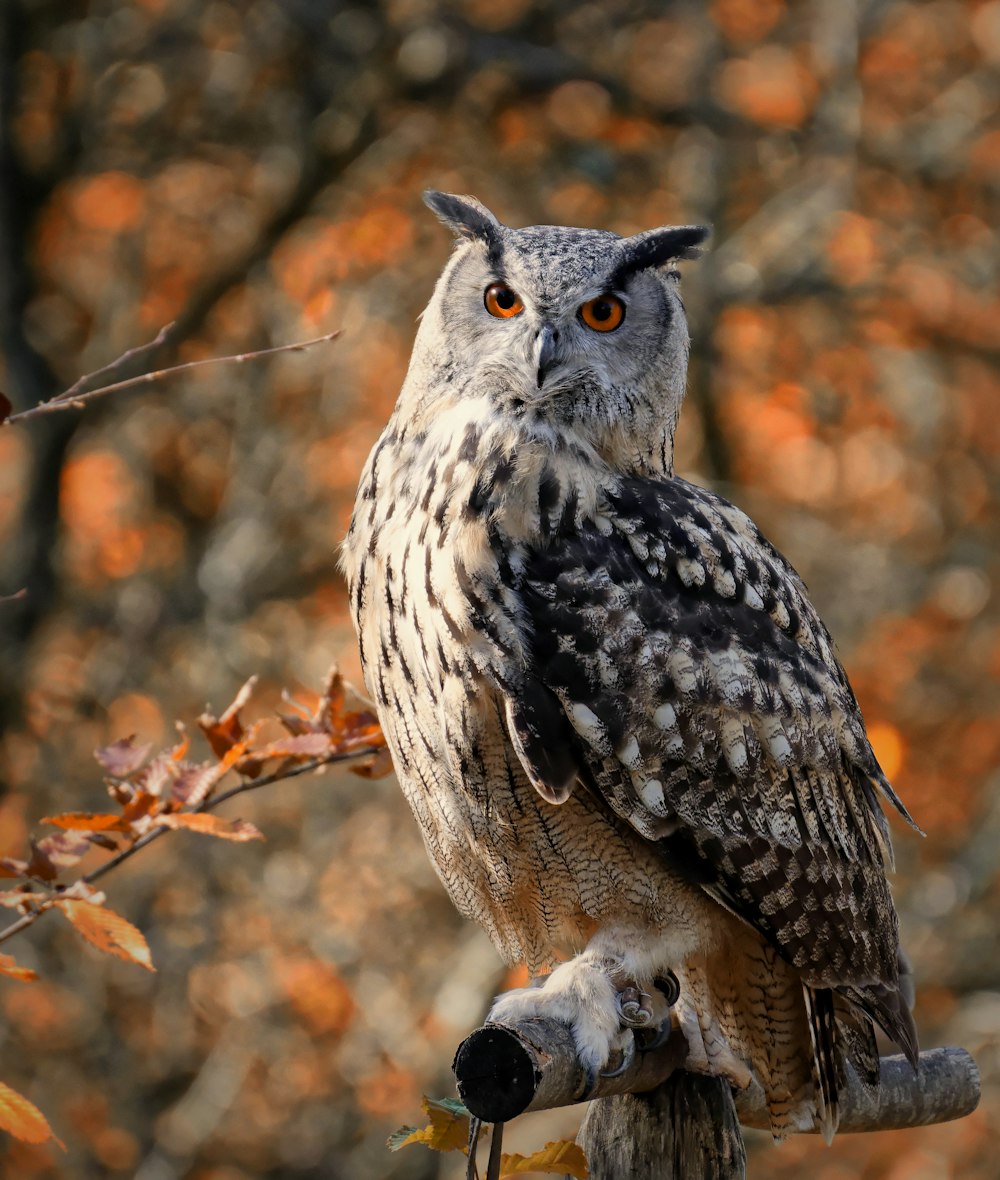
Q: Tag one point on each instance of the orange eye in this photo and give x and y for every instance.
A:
(603, 314)
(502, 302)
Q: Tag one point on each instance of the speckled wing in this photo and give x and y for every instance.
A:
(707, 707)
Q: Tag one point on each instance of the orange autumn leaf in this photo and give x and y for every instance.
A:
(178, 752)
(87, 821)
(108, 931)
(22, 1118)
(239, 752)
(563, 1158)
(139, 806)
(226, 731)
(10, 968)
(212, 825)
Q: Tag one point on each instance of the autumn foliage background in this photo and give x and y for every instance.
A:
(252, 174)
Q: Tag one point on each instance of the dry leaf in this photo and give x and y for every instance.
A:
(139, 806)
(52, 854)
(121, 758)
(104, 841)
(304, 745)
(331, 703)
(178, 752)
(10, 867)
(22, 1118)
(226, 731)
(211, 825)
(563, 1158)
(13, 899)
(448, 1129)
(241, 756)
(108, 931)
(194, 783)
(9, 968)
(87, 821)
(377, 766)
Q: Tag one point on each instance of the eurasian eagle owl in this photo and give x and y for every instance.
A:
(618, 720)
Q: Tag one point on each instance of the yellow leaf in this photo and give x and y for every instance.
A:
(563, 1158)
(448, 1129)
(22, 1118)
(10, 968)
(211, 825)
(87, 821)
(108, 931)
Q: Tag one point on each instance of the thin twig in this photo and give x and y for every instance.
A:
(496, 1147)
(475, 1126)
(209, 805)
(80, 383)
(71, 400)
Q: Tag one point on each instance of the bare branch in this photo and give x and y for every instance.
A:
(73, 399)
(503, 1071)
(80, 384)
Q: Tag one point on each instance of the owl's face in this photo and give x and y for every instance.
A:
(574, 328)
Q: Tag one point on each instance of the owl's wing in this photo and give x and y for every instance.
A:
(678, 669)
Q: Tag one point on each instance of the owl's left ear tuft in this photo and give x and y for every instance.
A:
(657, 247)
(468, 217)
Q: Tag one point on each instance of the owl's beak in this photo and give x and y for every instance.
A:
(546, 344)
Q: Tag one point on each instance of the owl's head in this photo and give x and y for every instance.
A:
(577, 330)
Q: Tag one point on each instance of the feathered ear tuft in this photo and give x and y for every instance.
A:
(657, 247)
(468, 217)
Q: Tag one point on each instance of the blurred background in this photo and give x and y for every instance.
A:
(251, 173)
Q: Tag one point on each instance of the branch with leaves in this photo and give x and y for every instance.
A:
(152, 796)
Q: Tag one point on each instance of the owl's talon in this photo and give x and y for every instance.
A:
(632, 1012)
(659, 1037)
(669, 987)
(628, 1056)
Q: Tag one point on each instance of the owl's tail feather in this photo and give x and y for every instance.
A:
(886, 1004)
(857, 1034)
(826, 1061)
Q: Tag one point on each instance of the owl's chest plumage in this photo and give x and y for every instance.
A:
(433, 560)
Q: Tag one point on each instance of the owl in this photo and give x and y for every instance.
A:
(620, 724)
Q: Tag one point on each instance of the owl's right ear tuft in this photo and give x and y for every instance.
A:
(468, 217)
(660, 247)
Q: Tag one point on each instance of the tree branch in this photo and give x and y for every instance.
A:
(503, 1071)
(211, 804)
(72, 398)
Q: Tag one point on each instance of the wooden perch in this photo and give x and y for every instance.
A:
(504, 1071)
